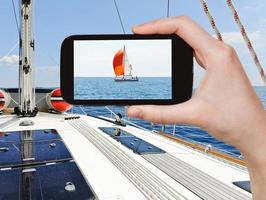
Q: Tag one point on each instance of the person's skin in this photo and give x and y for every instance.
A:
(224, 104)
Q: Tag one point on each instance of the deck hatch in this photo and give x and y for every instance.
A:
(136, 144)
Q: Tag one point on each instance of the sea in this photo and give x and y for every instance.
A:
(187, 132)
(107, 88)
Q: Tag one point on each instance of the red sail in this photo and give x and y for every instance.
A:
(118, 63)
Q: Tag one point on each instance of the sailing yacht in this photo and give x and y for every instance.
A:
(122, 67)
(62, 155)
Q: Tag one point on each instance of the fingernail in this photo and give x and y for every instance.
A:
(134, 28)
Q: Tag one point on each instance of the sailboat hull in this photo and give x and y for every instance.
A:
(121, 79)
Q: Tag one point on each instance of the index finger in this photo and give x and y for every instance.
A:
(184, 27)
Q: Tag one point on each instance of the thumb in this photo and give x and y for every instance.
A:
(173, 114)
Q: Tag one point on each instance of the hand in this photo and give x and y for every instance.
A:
(224, 104)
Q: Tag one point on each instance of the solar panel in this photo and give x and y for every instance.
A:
(30, 135)
(58, 181)
(49, 150)
(9, 154)
(9, 184)
(115, 132)
(29, 147)
(35, 164)
(136, 144)
(245, 185)
(9, 136)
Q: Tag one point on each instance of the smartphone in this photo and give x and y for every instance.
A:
(126, 69)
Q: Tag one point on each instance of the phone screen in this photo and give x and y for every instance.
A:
(122, 69)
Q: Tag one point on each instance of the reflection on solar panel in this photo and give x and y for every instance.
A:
(37, 165)
(127, 139)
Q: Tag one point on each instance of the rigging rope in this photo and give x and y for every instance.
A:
(211, 19)
(15, 15)
(119, 16)
(242, 30)
(247, 40)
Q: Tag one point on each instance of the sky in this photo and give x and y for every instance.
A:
(55, 20)
(148, 58)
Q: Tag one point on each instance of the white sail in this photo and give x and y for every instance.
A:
(127, 66)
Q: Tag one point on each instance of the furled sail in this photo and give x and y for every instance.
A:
(118, 63)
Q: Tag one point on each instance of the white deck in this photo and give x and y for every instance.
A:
(106, 180)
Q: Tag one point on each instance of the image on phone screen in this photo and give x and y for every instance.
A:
(122, 69)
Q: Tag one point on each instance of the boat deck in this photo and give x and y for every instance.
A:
(115, 168)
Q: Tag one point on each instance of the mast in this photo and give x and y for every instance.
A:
(26, 89)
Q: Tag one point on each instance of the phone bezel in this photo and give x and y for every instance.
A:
(182, 70)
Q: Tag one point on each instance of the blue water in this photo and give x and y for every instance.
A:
(107, 88)
(190, 133)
